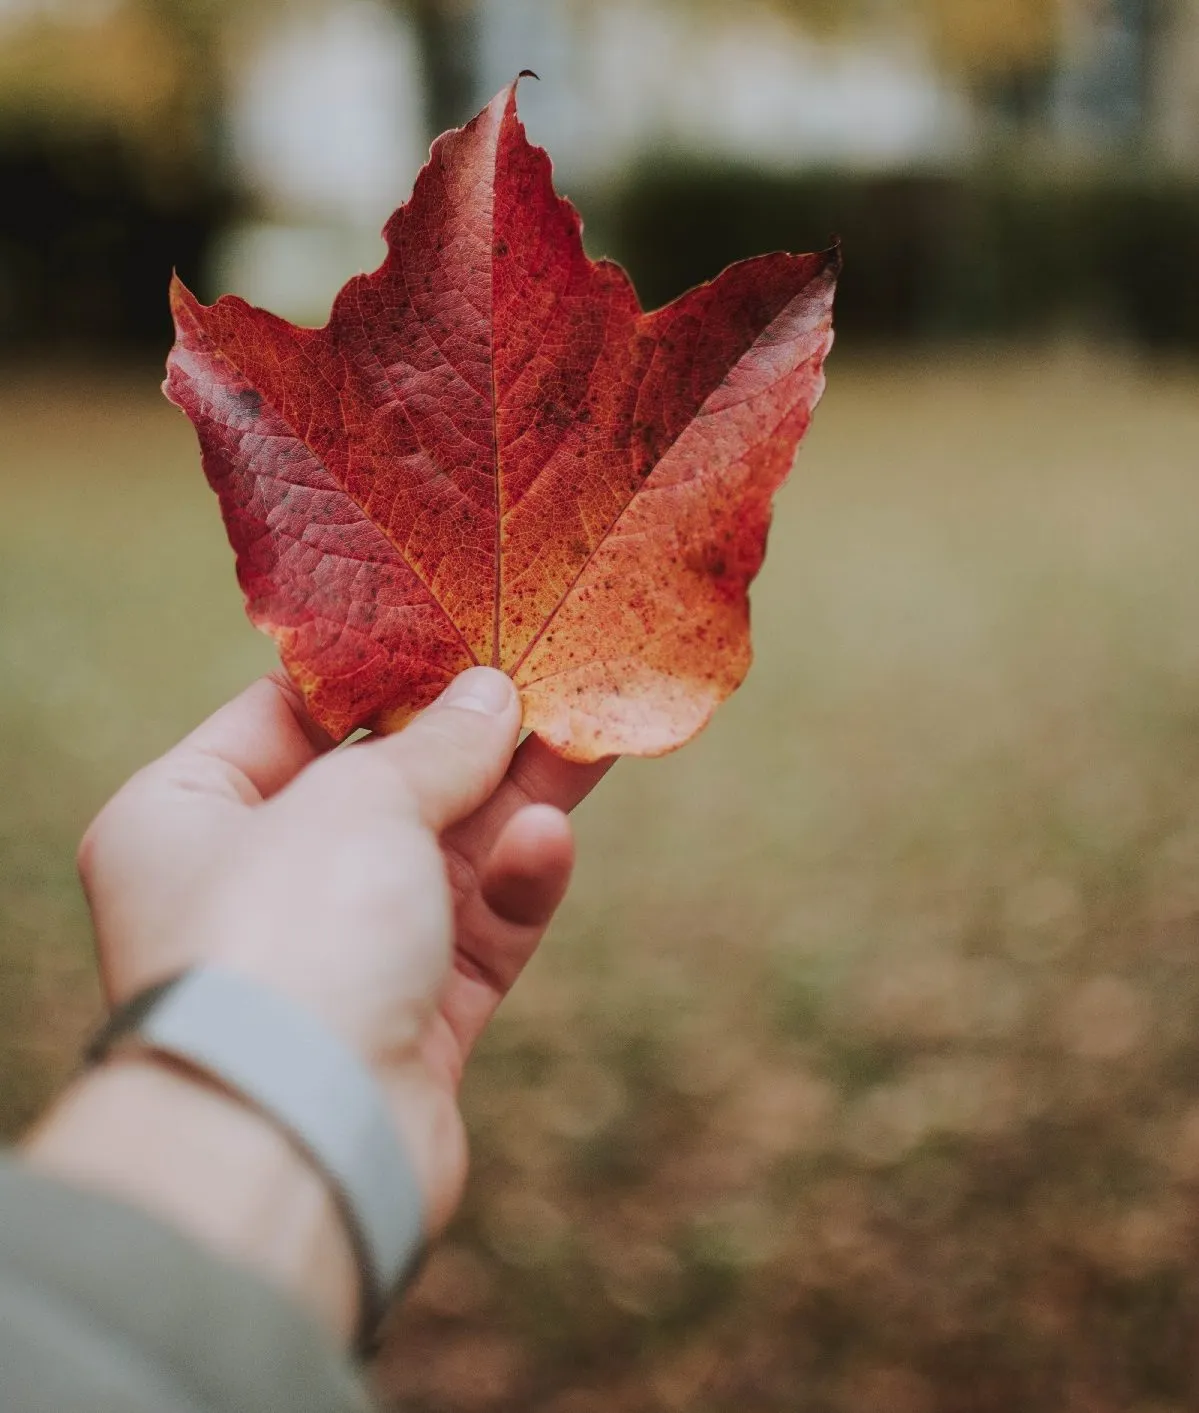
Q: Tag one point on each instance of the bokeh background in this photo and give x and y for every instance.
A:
(861, 1072)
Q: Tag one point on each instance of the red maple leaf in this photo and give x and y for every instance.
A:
(491, 455)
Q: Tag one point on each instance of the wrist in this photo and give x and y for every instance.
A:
(172, 1141)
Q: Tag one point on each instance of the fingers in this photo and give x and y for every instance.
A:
(509, 863)
(452, 757)
(260, 740)
(501, 916)
(537, 776)
(245, 752)
(529, 869)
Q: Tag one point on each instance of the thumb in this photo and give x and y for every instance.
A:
(454, 755)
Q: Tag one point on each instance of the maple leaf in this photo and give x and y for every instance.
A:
(490, 454)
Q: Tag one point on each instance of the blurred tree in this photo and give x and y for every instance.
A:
(119, 70)
(979, 40)
(153, 71)
(992, 39)
(144, 73)
(106, 112)
(1003, 51)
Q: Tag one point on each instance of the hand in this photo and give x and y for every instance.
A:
(321, 876)
(396, 887)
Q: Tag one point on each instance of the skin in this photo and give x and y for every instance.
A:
(395, 888)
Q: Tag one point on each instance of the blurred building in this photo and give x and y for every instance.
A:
(326, 118)
(725, 83)
(260, 144)
(325, 126)
(1127, 79)
(1174, 95)
(326, 121)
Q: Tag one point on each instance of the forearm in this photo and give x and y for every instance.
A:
(182, 1149)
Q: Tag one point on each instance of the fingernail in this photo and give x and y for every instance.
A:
(480, 689)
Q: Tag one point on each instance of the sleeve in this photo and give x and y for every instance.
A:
(106, 1310)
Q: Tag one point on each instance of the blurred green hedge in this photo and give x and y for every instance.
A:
(89, 236)
(935, 256)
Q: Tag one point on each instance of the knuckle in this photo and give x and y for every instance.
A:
(90, 855)
(461, 873)
(85, 854)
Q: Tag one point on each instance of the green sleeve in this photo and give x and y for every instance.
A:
(106, 1310)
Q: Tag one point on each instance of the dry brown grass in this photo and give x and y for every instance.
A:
(862, 1071)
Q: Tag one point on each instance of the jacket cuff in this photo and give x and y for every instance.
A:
(99, 1296)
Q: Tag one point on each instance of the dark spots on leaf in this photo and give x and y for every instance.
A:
(706, 559)
(553, 414)
(501, 247)
(249, 402)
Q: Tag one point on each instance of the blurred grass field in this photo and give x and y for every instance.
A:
(861, 1071)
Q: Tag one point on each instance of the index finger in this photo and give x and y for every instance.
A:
(262, 739)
